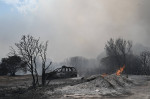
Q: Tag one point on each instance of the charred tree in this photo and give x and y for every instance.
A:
(28, 48)
(31, 49)
(43, 50)
(145, 60)
(117, 52)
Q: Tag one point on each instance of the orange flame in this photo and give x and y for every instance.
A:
(120, 70)
(103, 75)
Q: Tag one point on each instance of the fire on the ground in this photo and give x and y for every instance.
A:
(118, 72)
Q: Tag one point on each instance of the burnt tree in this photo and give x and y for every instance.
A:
(145, 60)
(30, 49)
(43, 50)
(117, 52)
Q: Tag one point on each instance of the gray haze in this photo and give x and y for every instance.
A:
(76, 27)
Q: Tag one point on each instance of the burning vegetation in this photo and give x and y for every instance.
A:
(103, 75)
(118, 73)
(89, 81)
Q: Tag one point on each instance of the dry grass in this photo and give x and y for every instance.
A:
(18, 87)
(10, 81)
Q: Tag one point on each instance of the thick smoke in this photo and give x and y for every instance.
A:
(78, 28)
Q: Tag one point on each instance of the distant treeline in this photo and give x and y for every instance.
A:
(119, 52)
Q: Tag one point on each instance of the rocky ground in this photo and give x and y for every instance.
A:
(94, 87)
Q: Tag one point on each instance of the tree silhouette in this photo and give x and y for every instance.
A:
(30, 49)
(117, 52)
(12, 64)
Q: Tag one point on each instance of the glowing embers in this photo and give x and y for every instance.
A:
(120, 70)
(103, 75)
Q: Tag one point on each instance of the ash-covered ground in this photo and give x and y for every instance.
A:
(93, 87)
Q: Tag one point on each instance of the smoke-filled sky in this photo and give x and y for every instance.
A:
(74, 27)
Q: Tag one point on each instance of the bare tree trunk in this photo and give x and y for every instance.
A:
(43, 77)
(36, 73)
(33, 78)
(44, 59)
(37, 77)
(12, 74)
